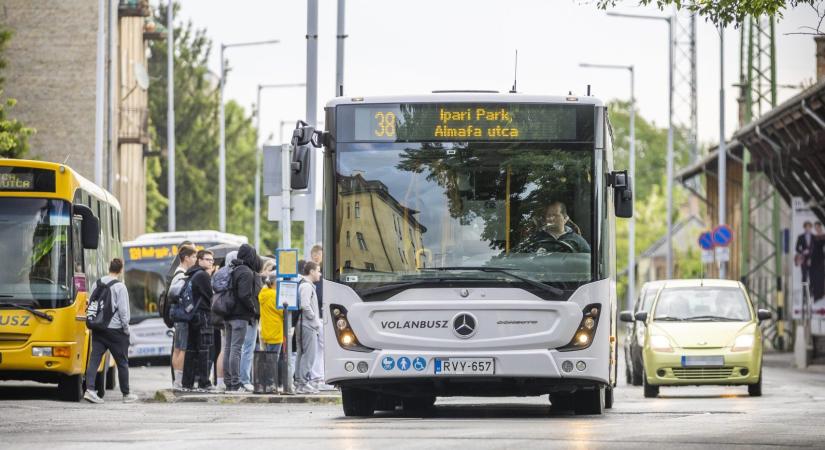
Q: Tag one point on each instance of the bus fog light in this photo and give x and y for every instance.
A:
(580, 366)
(41, 351)
(363, 367)
(567, 366)
(349, 366)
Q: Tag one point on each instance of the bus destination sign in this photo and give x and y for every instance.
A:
(468, 122)
(16, 181)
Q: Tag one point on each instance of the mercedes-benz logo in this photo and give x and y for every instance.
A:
(464, 325)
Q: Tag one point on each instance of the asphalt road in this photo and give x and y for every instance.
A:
(791, 414)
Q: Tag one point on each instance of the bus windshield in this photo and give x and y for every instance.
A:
(34, 237)
(404, 210)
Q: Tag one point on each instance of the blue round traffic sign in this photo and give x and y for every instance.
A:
(722, 235)
(706, 241)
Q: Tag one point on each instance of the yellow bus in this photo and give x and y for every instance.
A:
(58, 231)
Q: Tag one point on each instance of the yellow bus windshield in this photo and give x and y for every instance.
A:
(34, 238)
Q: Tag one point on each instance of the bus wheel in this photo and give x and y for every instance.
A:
(70, 388)
(421, 403)
(608, 397)
(589, 402)
(386, 402)
(358, 402)
(111, 378)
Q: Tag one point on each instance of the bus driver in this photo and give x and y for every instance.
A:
(557, 234)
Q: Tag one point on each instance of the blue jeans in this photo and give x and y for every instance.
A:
(235, 330)
(247, 350)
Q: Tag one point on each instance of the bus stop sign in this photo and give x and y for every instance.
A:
(706, 241)
(722, 235)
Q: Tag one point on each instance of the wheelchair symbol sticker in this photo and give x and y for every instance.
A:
(419, 364)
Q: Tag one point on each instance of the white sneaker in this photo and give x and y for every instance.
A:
(249, 387)
(321, 386)
(129, 398)
(92, 397)
(306, 389)
(217, 389)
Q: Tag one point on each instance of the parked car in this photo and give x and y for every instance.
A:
(701, 332)
(635, 333)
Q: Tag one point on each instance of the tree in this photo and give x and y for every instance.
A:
(197, 143)
(14, 136)
(722, 12)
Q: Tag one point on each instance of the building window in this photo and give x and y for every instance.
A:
(369, 266)
(357, 210)
(347, 264)
(403, 257)
(349, 209)
(362, 244)
(348, 239)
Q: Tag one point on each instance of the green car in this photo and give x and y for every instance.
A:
(701, 332)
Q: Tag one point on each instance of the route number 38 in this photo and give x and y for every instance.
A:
(384, 124)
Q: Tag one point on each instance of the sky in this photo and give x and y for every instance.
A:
(424, 45)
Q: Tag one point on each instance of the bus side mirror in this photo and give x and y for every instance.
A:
(622, 194)
(299, 179)
(641, 316)
(89, 227)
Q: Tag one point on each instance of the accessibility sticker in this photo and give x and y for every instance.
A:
(388, 363)
(404, 363)
(419, 363)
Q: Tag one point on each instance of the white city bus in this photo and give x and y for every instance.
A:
(472, 249)
(148, 260)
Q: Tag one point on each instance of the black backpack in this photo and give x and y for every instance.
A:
(99, 311)
(165, 301)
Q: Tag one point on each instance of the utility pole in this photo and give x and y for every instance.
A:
(113, 100)
(311, 119)
(170, 112)
(339, 62)
(222, 131)
(100, 91)
(722, 178)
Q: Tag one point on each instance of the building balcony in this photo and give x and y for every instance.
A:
(133, 126)
(134, 8)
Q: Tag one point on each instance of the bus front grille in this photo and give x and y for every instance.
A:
(9, 340)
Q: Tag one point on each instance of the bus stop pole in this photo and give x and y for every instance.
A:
(287, 382)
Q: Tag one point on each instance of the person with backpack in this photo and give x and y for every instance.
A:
(199, 341)
(222, 303)
(108, 319)
(246, 284)
(309, 329)
(188, 259)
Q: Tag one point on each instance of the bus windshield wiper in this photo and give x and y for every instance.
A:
(404, 284)
(37, 313)
(545, 287)
(726, 319)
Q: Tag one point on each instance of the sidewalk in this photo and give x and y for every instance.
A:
(169, 396)
(772, 358)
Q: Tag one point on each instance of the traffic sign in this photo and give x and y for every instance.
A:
(722, 254)
(722, 235)
(706, 240)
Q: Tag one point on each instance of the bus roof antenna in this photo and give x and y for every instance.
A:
(515, 75)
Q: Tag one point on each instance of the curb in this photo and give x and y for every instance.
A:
(168, 396)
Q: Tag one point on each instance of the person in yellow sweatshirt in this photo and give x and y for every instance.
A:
(272, 318)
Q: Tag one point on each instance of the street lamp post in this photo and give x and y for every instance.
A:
(259, 155)
(631, 257)
(669, 238)
(222, 127)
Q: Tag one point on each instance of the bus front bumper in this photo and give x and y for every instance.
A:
(38, 357)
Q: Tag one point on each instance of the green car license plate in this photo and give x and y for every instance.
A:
(703, 361)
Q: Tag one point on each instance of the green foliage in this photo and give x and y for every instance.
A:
(14, 136)
(721, 11)
(197, 143)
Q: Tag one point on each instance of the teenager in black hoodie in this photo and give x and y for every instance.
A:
(196, 362)
(246, 286)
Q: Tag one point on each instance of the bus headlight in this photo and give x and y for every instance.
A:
(343, 331)
(41, 351)
(587, 329)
